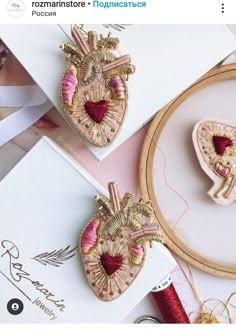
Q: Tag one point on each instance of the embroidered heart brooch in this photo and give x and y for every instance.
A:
(113, 243)
(215, 146)
(93, 90)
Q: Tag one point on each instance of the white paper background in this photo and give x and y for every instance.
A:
(168, 59)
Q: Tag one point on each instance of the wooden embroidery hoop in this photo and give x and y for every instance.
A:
(173, 242)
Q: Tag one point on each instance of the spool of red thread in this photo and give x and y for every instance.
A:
(168, 302)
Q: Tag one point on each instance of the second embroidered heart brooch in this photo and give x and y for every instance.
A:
(215, 146)
(113, 243)
(94, 91)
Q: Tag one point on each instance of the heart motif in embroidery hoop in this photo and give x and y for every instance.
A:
(215, 146)
(113, 243)
(93, 90)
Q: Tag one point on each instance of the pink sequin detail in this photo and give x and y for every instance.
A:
(89, 237)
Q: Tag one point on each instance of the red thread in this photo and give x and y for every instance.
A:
(170, 305)
(96, 110)
(111, 263)
(172, 189)
(220, 144)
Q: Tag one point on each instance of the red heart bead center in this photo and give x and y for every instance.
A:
(220, 144)
(96, 110)
(111, 263)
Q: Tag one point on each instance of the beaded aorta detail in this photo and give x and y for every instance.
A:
(113, 243)
(94, 91)
(215, 146)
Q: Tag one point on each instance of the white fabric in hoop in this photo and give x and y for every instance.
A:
(35, 102)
